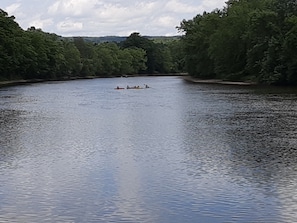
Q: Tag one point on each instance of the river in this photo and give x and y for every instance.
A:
(81, 151)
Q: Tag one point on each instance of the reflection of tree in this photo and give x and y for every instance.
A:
(264, 143)
(245, 134)
(9, 123)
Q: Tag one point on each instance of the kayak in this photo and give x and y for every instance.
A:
(134, 88)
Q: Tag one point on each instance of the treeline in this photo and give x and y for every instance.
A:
(247, 40)
(34, 54)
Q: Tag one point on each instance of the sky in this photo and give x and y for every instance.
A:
(107, 17)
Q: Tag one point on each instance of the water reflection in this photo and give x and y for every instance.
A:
(249, 139)
(9, 127)
(264, 135)
(80, 151)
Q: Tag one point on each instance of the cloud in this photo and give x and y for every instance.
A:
(211, 5)
(69, 26)
(40, 23)
(166, 21)
(102, 17)
(15, 9)
(179, 7)
(73, 8)
(106, 17)
(12, 9)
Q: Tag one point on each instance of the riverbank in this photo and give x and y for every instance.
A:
(32, 81)
(216, 81)
(17, 82)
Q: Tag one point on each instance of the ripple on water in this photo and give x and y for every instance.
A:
(83, 152)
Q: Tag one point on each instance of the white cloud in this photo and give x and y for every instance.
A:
(120, 13)
(102, 17)
(12, 9)
(211, 5)
(73, 8)
(69, 26)
(40, 23)
(166, 21)
(179, 7)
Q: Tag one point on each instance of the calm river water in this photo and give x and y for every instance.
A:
(80, 151)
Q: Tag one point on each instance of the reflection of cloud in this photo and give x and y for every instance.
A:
(128, 186)
(128, 179)
(288, 199)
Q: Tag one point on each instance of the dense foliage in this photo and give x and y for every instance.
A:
(34, 54)
(247, 40)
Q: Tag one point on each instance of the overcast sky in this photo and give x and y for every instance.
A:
(106, 17)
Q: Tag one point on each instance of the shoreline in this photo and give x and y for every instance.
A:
(32, 81)
(216, 81)
(17, 82)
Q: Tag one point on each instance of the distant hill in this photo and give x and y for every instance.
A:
(163, 39)
(101, 39)
(104, 39)
(118, 39)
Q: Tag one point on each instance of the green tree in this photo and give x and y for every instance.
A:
(162, 58)
(87, 54)
(135, 40)
(139, 59)
(247, 40)
(196, 43)
(289, 46)
(227, 47)
(125, 59)
(178, 55)
(10, 46)
(108, 62)
(40, 64)
(73, 63)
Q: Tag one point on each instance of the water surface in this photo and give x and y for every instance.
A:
(81, 151)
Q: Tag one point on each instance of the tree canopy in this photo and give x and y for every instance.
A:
(34, 54)
(246, 40)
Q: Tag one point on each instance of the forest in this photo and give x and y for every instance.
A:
(247, 40)
(34, 54)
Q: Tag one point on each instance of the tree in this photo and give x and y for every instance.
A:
(163, 59)
(87, 54)
(135, 40)
(289, 50)
(125, 59)
(178, 55)
(196, 43)
(139, 59)
(108, 62)
(247, 40)
(73, 63)
(10, 46)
